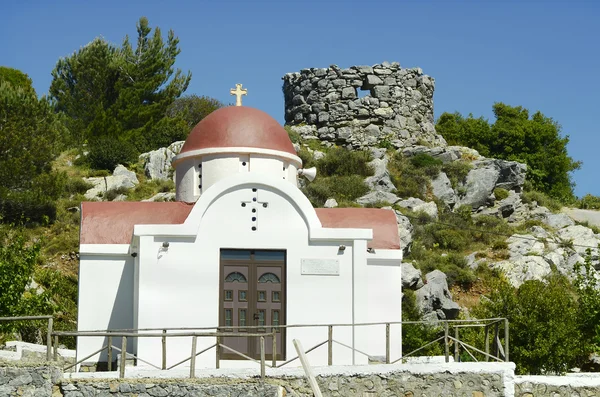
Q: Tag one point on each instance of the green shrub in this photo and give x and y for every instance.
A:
(77, 186)
(294, 136)
(589, 202)
(106, 153)
(500, 193)
(415, 336)
(409, 180)
(542, 199)
(430, 165)
(112, 194)
(341, 188)
(343, 162)
(457, 171)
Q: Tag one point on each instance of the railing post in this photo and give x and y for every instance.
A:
(193, 362)
(456, 344)
(123, 357)
(506, 337)
(164, 349)
(262, 358)
(387, 343)
(109, 353)
(330, 346)
(487, 342)
(55, 347)
(218, 352)
(446, 347)
(49, 339)
(274, 361)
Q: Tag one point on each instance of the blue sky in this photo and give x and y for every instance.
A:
(543, 55)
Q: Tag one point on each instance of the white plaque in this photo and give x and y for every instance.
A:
(323, 267)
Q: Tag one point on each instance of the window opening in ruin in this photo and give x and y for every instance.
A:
(361, 93)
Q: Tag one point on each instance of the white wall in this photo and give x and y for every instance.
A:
(105, 299)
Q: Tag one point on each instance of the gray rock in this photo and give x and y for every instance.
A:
(524, 269)
(480, 183)
(435, 296)
(157, 163)
(163, 196)
(418, 205)
(330, 203)
(558, 221)
(121, 178)
(381, 178)
(442, 189)
(318, 155)
(520, 245)
(411, 277)
(376, 197)
(405, 230)
(581, 238)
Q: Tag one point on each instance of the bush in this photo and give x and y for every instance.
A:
(542, 199)
(457, 171)
(106, 153)
(409, 180)
(343, 162)
(430, 165)
(341, 188)
(589, 202)
(500, 193)
(415, 336)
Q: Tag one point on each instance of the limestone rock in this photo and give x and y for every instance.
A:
(405, 230)
(378, 196)
(163, 196)
(121, 178)
(411, 277)
(435, 296)
(157, 163)
(558, 221)
(479, 184)
(524, 269)
(418, 205)
(442, 189)
(381, 178)
(330, 203)
(581, 237)
(520, 245)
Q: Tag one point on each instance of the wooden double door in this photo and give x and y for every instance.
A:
(252, 294)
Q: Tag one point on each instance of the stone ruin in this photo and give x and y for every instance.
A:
(396, 110)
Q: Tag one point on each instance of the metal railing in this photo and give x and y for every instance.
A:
(492, 335)
(494, 325)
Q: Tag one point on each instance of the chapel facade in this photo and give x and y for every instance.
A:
(240, 247)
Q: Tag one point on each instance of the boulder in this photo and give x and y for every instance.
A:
(558, 221)
(405, 230)
(479, 185)
(418, 205)
(581, 238)
(520, 245)
(435, 296)
(442, 189)
(165, 196)
(330, 203)
(157, 163)
(121, 178)
(381, 178)
(411, 277)
(524, 269)
(378, 197)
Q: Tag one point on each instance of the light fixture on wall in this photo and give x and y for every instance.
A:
(165, 244)
(308, 173)
(134, 254)
(342, 248)
(371, 250)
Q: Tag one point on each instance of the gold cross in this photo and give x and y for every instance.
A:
(238, 92)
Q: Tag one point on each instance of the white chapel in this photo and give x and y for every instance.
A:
(242, 246)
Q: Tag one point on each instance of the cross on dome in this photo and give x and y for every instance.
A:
(238, 92)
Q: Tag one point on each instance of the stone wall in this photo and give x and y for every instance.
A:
(453, 379)
(397, 109)
(29, 381)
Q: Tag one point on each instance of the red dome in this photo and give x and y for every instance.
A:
(238, 126)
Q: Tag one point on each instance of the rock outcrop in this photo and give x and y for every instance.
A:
(157, 163)
(121, 178)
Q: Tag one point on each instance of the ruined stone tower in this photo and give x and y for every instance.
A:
(395, 110)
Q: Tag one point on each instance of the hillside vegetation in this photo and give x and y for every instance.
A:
(108, 104)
